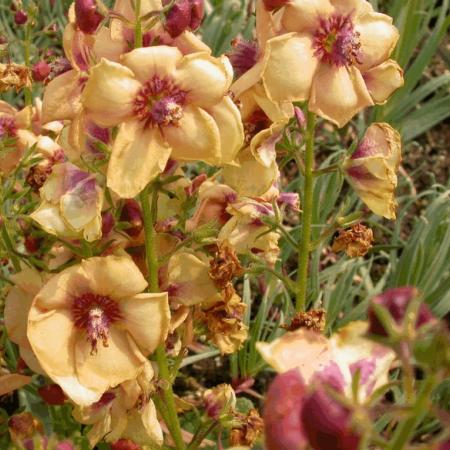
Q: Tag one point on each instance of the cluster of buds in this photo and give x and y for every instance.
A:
(183, 15)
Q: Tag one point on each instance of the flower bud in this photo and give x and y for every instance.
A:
(219, 401)
(282, 412)
(87, 17)
(300, 117)
(20, 17)
(183, 15)
(327, 423)
(23, 426)
(372, 168)
(396, 301)
(52, 394)
(125, 444)
(131, 213)
(40, 71)
(108, 223)
(197, 13)
(274, 4)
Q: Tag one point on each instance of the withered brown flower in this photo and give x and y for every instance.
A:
(356, 241)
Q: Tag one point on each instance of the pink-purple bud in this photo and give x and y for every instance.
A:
(40, 71)
(183, 15)
(396, 301)
(300, 117)
(108, 223)
(20, 17)
(132, 213)
(243, 56)
(282, 412)
(327, 423)
(87, 17)
(274, 4)
(125, 444)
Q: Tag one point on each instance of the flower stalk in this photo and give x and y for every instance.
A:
(149, 212)
(307, 213)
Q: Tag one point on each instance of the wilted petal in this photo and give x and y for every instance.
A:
(195, 138)
(107, 276)
(205, 78)
(138, 156)
(12, 382)
(289, 67)
(383, 80)
(147, 318)
(337, 94)
(378, 38)
(109, 93)
(228, 118)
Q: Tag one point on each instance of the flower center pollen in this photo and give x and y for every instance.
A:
(336, 42)
(95, 314)
(159, 102)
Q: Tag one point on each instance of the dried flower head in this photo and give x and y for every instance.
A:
(250, 429)
(356, 241)
(313, 319)
(225, 266)
(14, 76)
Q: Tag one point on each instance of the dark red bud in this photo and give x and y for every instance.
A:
(3, 39)
(124, 444)
(131, 213)
(274, 4)
(444, 445)
(87, 17)
(41, 70)
(108, 223)
(396, 301)
(20, 17)
(32, 244)
(197, 13)
(178, 19)
(52, 394)
(327, 423)
(282, 412)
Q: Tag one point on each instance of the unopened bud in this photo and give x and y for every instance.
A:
(125, 444)
(20, 17)
(108, 223)
(183, 15)
(300, 117)
(132, 213)
(23, 426)
(327, 423)
(52, 394)
(197, 13)
(282, 410)
(219, 401)
(396, 301)
(40, 71)
(274, 4)
(87, 17)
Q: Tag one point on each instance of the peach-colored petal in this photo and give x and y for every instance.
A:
(338, 94)
(228, 118)
(17, 307)
(52, 338)
(121, 360)
(290, 66)
(109, 93)
(77, 46)
(205, 78)
(61, 289)
(248, 79)
(105, 47)
(12, 382)
(378, 38)
(147, 62)
(62, 97)
(195, 138)
(303, 349)
(107, 275)
(355, 8)
(30, 360)
(138, 156)
(147, 318)
(188, 42)
(383, 80)
(304, 15)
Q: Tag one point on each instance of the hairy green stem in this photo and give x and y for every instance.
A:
(138, 27)
(304, 245)
(201, 435)
(149, 212)
(28, 95)
(10, 247)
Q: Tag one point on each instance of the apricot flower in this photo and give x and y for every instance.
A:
(335, 55)
(91, 327)
(167, 105)
(71, 204)
(371, 169)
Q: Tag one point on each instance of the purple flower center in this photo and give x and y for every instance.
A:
(94, 314)
(159, 102)
(8, 128)
(336, 42)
